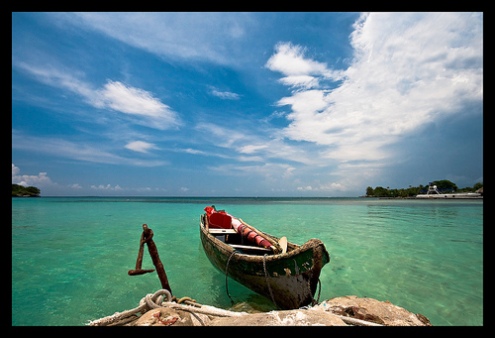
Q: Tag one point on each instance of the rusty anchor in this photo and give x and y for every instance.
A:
(146, 237)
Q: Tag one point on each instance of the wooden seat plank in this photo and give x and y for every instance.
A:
(221, 231)
(248, 247)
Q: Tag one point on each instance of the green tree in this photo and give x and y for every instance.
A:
(381, 192)
(445, 185)
(442, 185)
(19, 190)
(369, 191)
(478, 186)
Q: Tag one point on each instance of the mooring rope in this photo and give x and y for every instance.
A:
(227, 276)
(150, 301)
(319, 291)
(266, 279)
(197, 317)
(313, 300)
(155, 301)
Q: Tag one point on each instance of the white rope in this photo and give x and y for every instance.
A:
(153, 301)
(150, 301)
(205, 309)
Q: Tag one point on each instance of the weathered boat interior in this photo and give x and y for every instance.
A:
(245, 239)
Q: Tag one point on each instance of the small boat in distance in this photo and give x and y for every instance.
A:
(285, 273)
(433, 193)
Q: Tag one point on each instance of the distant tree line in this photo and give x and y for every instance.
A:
(21, 191)
(443, 186)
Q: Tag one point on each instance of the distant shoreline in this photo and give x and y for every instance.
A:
(431, 198)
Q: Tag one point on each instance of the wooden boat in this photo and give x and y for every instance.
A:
(286, 273)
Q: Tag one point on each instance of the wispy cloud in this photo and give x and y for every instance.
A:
(82, 152)
(140, 146)
(180, 35)
(139, 104)
(224, 95)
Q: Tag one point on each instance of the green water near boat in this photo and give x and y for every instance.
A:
(70, 256)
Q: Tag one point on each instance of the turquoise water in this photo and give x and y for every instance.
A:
(70, 256)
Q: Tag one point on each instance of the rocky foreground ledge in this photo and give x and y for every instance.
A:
(339, 311)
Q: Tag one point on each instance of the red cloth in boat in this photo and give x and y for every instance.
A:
(222, 220)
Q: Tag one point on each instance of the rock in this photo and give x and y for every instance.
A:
(339, 311)
(369, 309)
(165, 316)
(282, 318)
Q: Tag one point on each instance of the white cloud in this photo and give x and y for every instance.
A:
(107, 187)
(29, 180)
(226, 136)
(224, 95)
(140, 146)
(289, 60)
(328, 187)
(135, 103)
(408, 70)
(249, 142)
(78, 151)
(194, 151)
(15, 170)
(249, 149)
(300, 81)
(186, 35)
(271, 172)
(56, 77)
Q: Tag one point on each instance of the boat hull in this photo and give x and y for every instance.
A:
(289, 280)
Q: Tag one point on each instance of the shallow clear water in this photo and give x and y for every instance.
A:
(70, 256)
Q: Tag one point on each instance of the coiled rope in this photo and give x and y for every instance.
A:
(150, 301)
(153, 301)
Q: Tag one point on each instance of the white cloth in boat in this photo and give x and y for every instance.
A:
(235, 223)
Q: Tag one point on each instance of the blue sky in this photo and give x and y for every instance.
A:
(245, 104)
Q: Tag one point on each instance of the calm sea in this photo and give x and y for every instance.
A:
(70, 256)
